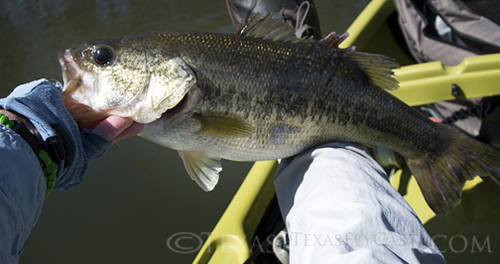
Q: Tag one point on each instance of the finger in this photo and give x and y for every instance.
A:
(134, 129)
(90, 125)
(112, 126)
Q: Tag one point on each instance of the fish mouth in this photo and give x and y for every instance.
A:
(68, 67)
(72, 80)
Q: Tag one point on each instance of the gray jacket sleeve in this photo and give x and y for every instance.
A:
(339, 207)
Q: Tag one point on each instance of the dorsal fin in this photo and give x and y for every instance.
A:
(269, 29)
(333, 40)
(377, 67)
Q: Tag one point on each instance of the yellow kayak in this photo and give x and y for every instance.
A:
(469, 234)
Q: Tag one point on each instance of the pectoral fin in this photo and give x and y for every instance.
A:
(202, 169)
(224, 127)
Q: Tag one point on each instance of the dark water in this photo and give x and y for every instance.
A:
(137, 195)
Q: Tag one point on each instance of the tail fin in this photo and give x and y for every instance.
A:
(441, 176)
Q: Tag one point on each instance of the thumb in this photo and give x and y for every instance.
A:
(115, 128)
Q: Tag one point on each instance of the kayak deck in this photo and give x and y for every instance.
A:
(466, 235)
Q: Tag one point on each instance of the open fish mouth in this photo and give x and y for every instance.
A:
(72, 80)
(69, 69)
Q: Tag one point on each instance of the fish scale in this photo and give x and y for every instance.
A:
(272, 88)
(264, 94)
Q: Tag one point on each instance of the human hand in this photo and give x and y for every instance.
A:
(40, 102)
(113, 128)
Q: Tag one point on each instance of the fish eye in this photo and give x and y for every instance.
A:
(102, 55)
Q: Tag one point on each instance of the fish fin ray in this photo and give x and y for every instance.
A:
(202, 168)
(377, 67)
(269, 29)
(333, 40)
(243, 28)
(259, 29)
(441, 178)
(224, 127)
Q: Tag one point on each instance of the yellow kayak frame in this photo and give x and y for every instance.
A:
(230, 240)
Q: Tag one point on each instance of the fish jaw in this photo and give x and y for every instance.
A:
(94, 92)
(75, 91)
(69, 70)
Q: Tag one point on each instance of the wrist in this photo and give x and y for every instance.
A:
(14, 116)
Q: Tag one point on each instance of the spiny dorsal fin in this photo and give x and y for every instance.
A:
(377, 67)
(333, 40)
(269, 29)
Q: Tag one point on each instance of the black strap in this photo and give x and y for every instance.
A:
(59, 146)
(35, 142)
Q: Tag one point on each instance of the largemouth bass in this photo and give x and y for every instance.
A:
(263, 94)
